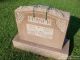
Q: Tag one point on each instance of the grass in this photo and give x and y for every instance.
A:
(8, 27)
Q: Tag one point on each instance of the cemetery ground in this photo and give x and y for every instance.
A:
(8, 28)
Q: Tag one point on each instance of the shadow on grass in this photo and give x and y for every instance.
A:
(73, 27)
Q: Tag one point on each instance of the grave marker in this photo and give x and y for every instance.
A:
(42, 30)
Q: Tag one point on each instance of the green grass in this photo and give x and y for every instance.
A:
(8, 27)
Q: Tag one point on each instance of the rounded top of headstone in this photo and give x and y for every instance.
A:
(25, 8)
(59, 13)
(40, 8)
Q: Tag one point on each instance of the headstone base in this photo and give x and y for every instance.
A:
(40, 49)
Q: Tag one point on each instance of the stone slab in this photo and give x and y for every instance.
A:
(50, 32)
(42, 49)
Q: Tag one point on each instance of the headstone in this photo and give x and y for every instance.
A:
(42, 30)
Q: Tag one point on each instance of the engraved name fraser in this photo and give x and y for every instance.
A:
(39, 20)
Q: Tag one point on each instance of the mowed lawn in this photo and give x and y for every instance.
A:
(8, 28)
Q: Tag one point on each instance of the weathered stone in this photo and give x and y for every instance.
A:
(41, 49)
(50, 32)
(42, 26)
